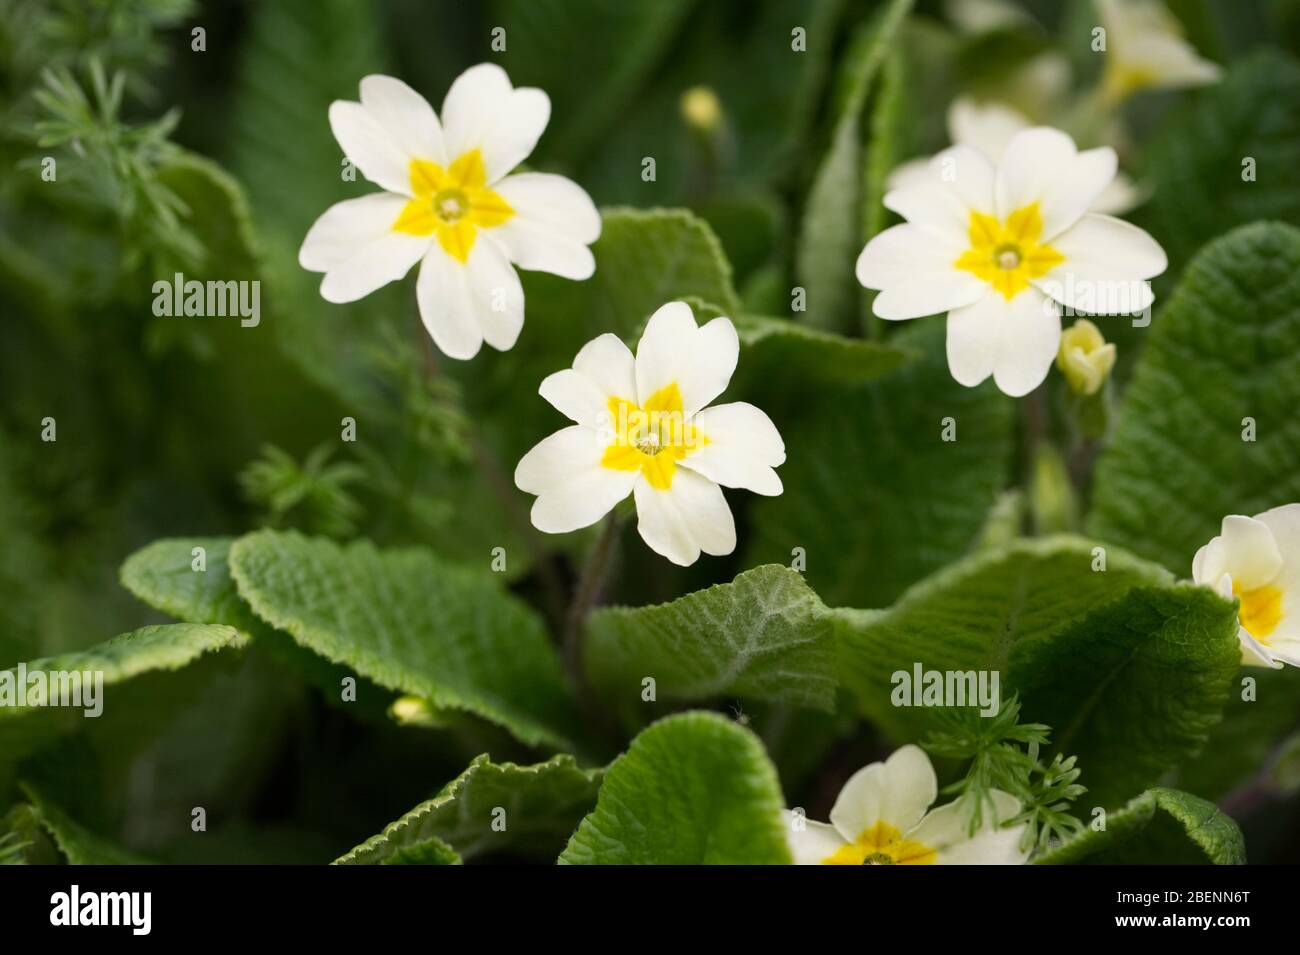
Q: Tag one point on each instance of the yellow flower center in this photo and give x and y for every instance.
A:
(1007, 254)
(1260, 611)
(881, 844)
(452, 203)
(651, 438)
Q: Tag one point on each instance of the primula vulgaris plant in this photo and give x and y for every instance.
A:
(378, 622)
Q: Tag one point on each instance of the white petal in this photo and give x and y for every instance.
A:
(576, 397)
(974, 333)
(1030, 338)
(499, 294)
(812, 844)
(448, 305)
(990, 847)
(573, 489)
(554, 222)
(1122, 195)
(1106, 261)
(945, 830)
(405, 116)
(988, 127)
(743, 447)
(609, 363)
(699, 359)
(354, 244)
(1252, 555)
(961, 180)
(897, 792)
(371, 149)
(688, 517)
(346, 227)
(913, 268)
(1210, 565)
(483, 111)
(1042, 165)
(908, 175)
(1256, 654)
(1014, 341)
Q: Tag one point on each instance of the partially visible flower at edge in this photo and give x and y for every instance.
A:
(642, 428)
(450, 204)
(880, 818)
(1257, 560)
(1145, 49)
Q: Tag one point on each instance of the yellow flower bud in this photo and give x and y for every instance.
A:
(701, 108)
(413, 711)
(1085, 358)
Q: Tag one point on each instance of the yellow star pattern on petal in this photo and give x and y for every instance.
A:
(651, 438)
(881, 844)
(452, 203)
(1007, 254)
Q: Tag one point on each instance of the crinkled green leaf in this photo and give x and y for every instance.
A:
(764, 636)
(1160, 826)
(874, 496)
(163, 576)
(542, 806)
(831, 235)
(414, 623)
(150, 649)
(1225, 348)
(691, 789)
(1129, 669)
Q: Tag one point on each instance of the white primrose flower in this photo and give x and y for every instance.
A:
(880, 818)
(450, 204)
(642, 428)
(1002, 248)
(990, 127)
(1257, 559)
(1145, 49)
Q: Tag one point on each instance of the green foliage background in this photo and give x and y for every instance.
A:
(372, 561)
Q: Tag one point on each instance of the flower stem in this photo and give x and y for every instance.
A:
(590, 583)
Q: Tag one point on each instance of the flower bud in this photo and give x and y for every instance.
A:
(1085, 358)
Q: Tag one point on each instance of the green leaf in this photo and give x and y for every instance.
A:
(764, 636)
(783, 358)
(1129, 669)
(831, 235)
(412, 623)
(163, 576)
(868, 473)
(1254, 112)
(1225, 348)
(542, 804)
(691, 789)
(1160, 826)
(78, 844)
(24, 728)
